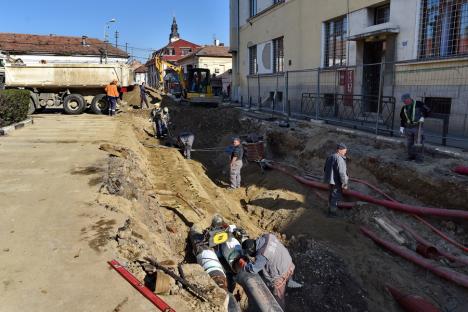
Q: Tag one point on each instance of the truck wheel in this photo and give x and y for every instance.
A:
(99, 105)
(74, 104)
(32, 106)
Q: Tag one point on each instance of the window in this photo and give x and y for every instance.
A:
(253, 60)
(185, 51)
(217, 70)
(335, 42)
(439, 105)
(278, 55)
(277, 1)
(444, 28)
(253, 8)
(382, 14)
(170, 51)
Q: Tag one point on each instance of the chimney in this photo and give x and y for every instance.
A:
(83, 40)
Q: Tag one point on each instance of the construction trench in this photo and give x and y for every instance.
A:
(341, 269)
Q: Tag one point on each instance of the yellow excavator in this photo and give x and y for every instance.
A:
(195, 87)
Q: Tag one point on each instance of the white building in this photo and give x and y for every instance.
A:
(141, 74)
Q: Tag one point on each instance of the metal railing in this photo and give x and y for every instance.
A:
(367, 97)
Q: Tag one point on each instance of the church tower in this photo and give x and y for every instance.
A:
(174, 36)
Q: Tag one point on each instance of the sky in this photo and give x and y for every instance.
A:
(143, 24)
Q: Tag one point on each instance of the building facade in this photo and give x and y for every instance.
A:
(335, 55)
(141, 74)
(176, 49)
(215, 58)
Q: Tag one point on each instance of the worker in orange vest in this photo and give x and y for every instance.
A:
(112, 96)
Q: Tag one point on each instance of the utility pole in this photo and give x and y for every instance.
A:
(116, 38)
(126, 47)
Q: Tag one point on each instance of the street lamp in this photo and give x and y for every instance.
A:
(106, 35)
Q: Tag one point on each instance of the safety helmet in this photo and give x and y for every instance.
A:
(157, 105)
(166, 110)
(249, 247)
(217, 221)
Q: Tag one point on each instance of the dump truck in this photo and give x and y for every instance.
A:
(75, 87)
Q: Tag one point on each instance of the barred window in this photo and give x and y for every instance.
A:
(278, 55)
(335, 42)
(444, 28)
(253, 60)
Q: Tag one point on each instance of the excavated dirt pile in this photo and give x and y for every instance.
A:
(341, 269)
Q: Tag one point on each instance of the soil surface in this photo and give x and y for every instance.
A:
(83, 190)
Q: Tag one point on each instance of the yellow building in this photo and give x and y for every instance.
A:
(351, 60)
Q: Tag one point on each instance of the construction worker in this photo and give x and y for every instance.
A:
(155, 116)
(143, 98)
(112, 96)
(236, 163)
(336, 176)
(412, 119)
(185, 140)
(273, 262)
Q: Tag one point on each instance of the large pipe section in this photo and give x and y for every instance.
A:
(450, 275)
(207, 258)
(411, 303)
(258, 293)
(440, 212)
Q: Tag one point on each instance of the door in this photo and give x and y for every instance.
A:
(373, 54)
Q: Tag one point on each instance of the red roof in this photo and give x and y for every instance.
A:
(56, 45)
(210, 51)
(177, 46)
(141, 69)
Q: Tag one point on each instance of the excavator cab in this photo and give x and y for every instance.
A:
(198, 88)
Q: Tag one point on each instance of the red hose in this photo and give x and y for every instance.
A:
(442, 234)
(433, 228)
(450, 275)
(424, 242)
(461, 170)
(381, 202)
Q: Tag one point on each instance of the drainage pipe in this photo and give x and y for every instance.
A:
(427, 224)
(461, 170)
(207, 258)
(260, 297)
(450, 275)
(426, 245)
(411, 303)
(440, 212)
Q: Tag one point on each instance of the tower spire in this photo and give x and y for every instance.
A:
(174, 36)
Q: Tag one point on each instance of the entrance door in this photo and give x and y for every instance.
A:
(373, 53)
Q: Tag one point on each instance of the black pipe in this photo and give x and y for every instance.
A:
(260, 297)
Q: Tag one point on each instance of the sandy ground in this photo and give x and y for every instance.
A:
(51, 258)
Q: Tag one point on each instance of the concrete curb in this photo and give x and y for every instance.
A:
(440, 150)
(8, 129)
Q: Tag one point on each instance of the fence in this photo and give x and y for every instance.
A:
(367, 97)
